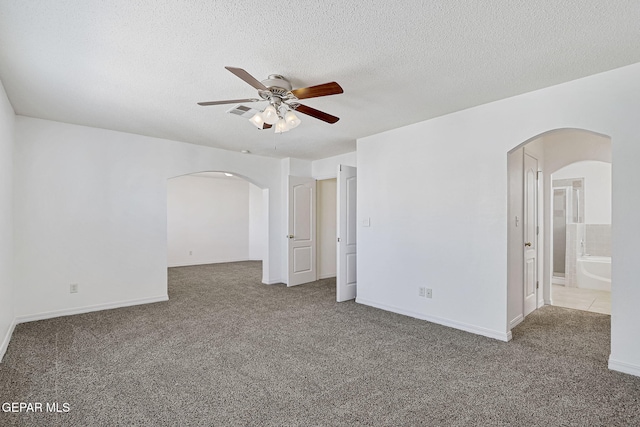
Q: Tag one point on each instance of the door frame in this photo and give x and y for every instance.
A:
(516, 236)
(535, 238)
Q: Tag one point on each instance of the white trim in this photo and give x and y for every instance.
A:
(325, 177)
(515, 322)
(215, 261)
(627, 368)
(326, 276)
(272, 282)
(7, 338)
(555, 280)
(490, 333)
(88, 309)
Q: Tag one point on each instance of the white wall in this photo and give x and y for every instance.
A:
(597, 189)
(436, 193)
(7, 119)
(91, 208)
(328, 167)
(207, 220)
(327, 227)
(257, 226)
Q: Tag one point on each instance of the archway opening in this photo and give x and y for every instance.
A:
(530, 212)
(216, 217)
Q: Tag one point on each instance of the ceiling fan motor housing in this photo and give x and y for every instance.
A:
(277, 87)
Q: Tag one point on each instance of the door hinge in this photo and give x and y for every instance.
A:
(537, 284)
(338, 239)
(537, 230)
(538, 175)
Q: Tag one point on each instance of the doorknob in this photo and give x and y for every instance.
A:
(528, 244)
(289, 236)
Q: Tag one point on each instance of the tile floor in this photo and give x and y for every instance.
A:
(581, 299)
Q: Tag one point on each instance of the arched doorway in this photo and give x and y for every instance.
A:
(551, 151)
(215, 217)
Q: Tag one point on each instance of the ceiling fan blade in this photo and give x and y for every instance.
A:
(228, 101)
(247, 77)
(266, 126)
(314, 113)
(332, 88)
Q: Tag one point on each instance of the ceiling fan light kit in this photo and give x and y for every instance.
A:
(257, 120)
(281, 126)
(282, 101)
(270, 115)
(291, 119)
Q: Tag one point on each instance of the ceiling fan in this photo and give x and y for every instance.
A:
(282, 101)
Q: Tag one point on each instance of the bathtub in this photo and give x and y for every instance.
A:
(594, 272)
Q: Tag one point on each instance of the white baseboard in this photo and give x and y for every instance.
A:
(489, 333)
(277, 281)
(515, 322)
(213, 261)
(88, 309)
(627, 368)
(7, 338)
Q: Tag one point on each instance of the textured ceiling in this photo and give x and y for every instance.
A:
(141, 66)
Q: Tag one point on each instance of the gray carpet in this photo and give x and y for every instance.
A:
(227, 350)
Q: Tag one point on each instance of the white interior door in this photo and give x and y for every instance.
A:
(302, 231)
(347, 237)
(530, 233)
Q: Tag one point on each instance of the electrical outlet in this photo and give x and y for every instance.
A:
(429, 293)
(421, 291)
(73, 288)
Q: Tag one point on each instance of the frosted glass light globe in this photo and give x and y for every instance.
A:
(270, 115)
(281, 126)
(291, 119)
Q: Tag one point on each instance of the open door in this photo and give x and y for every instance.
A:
(530, 234)
(302, 231)
(347, 222)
